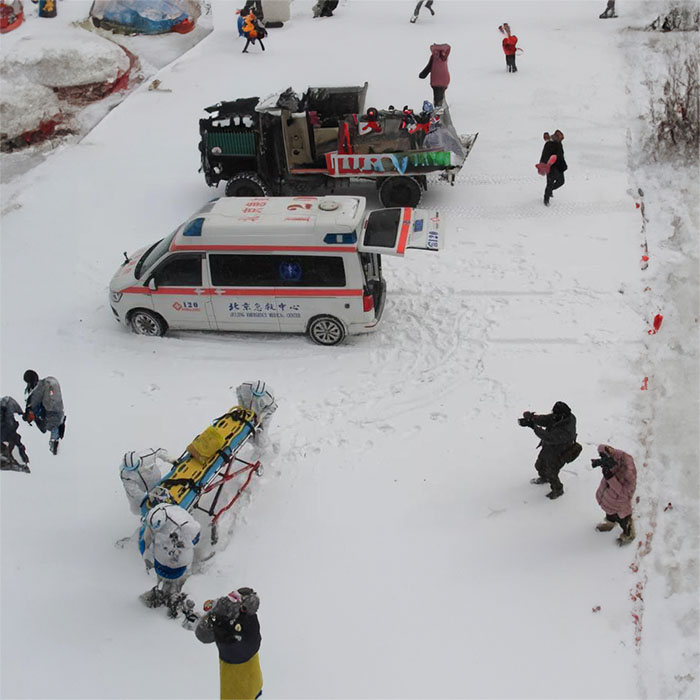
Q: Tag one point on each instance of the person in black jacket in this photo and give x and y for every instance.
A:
(232, 622)
(555, 176)
(9, 436)
(557, 433)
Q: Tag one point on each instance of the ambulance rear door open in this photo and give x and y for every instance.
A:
(393, 231)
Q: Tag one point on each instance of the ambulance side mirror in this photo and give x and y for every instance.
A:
(152, 284)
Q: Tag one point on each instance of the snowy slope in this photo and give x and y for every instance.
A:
(395, 541)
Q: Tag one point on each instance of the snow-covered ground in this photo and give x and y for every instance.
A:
(397, 546)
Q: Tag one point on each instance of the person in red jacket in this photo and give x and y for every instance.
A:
(616, 491)
(509, 47)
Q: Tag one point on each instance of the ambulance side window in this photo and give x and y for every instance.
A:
(180, 270)
(311, 271)
(229, 270)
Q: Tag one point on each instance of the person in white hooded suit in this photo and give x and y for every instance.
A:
(140, 473)
(258, 397)
(166, 542)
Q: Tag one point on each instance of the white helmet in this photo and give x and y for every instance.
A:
(131, 461)
(156, 517)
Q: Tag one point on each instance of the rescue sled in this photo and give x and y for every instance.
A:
(207, 465)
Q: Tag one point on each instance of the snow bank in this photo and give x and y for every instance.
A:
(72, 57)
(24, 106)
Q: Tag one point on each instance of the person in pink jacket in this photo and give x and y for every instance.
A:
(616, 491)
(438, 71)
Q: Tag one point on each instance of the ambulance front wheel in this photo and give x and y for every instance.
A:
(400, 191)
(145, 322)
(326, 330)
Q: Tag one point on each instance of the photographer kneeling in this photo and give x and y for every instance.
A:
(616, 491)
(557, 433)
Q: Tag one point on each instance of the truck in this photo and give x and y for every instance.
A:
(316, 143)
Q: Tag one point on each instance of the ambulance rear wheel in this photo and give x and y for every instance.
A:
(326, 330)
(145, 322)
(400, 191)
(246, 185)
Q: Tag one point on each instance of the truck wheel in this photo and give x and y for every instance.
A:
(326, 330)
(400, 191)
(246, 185)
(147, 323)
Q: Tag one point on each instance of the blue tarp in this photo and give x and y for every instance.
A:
(143, 16)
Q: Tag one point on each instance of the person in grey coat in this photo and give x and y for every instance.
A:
(45, 406)
(558, 446)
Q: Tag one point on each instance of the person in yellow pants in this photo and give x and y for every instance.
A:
(232, 622)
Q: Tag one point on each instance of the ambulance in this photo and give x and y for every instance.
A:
(272, 264)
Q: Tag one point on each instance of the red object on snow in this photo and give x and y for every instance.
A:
(543, 168)
(186, 26)
(658, 320)
(509, 45)
(645, 384)
(11, 16)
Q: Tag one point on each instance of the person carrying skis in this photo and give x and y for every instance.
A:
(438, 71)
(557, 433)
(9, 437)
(252, 30)
(555, 176)
(616, 491)
(232, 622)
(140, 473)
(166, 541)
(428, 6)
(509, 48)
(45, 406)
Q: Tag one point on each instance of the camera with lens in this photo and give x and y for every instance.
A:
(605, 461)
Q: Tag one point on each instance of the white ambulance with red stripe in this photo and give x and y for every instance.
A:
(272, 264)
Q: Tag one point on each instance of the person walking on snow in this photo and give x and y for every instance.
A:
(509, 48)
(324, 8)
(166, 542)
(555, 176)
(45, 406)
(558, 446)
(428, 6)
(616, 491)
(438, 71)
(140, 474)
(609, 10)
(232, 622)
(252, 30)
(9, 437)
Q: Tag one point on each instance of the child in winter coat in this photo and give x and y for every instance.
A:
(555, 174)
(616, 491)
(509, 48)
(438, 71)
(252, 30)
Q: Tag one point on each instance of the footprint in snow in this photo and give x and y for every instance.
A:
(441, 417)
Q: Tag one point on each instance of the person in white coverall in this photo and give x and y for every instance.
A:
(140, 473)
(258, 397)
(166, 542)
